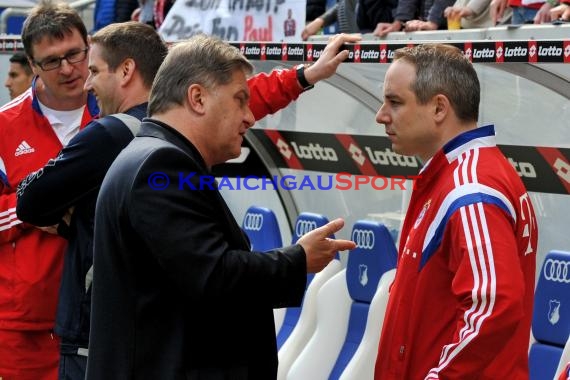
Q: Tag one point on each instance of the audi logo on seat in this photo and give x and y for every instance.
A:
(557, 270)
(364, 239)
(304, 226)
(253, 221)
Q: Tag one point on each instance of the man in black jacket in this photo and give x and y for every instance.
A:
(177, 294)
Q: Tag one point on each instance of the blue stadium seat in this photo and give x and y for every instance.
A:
(261, 226)
(551, 317)
(14, 23)
(306, 222)
(361, 366)
(299, 323)
(343, 305)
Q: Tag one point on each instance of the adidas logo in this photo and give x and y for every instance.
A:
(24, 148)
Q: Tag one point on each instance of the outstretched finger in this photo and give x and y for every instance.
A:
(343, 245)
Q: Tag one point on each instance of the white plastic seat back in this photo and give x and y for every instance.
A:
(317, 359)
(343, 313)
(307, 322)
(564, 360)
(361, 366)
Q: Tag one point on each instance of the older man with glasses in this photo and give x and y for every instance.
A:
(34, 128)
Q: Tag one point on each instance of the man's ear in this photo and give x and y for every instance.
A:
(35, 69)
(127, 70)
(196, 98)
(441, 107)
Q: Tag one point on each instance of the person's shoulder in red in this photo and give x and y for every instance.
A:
(565, 375)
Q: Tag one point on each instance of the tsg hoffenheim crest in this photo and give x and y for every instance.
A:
(553, 311)
(363, 274)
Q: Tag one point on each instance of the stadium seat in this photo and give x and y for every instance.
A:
(361, 366)
(261, 226)
(551, 317)
(343, 306)
(564, 361)
(299, 323)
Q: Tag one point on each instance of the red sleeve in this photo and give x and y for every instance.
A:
(489, 286)
(565, 375)
(272, 92)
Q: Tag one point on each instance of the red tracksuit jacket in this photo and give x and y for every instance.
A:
(461, 303)
(30, 260)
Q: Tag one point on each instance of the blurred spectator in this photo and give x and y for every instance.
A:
(110, 11)
(147, 12)
(412, 16)
(561, 12)
(353, 16)
(20, 75)
(369, 13)
(161, 9)
(473, 13)
(315, 8)
(343, 12)
(524, 12)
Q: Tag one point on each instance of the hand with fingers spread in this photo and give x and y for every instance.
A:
(330, 58)
(320, 249)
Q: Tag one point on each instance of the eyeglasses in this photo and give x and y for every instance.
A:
(53, 63)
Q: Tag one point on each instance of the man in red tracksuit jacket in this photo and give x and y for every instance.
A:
(460, 306)
(33, 128)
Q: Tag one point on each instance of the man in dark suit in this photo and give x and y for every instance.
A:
(177, 294)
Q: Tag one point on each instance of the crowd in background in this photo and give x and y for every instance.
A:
(379, 17)
(151, 12)
(386, 16)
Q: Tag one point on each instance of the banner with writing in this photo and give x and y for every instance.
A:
(236, 20)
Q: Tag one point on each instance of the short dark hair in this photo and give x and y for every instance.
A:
(51, 19)
(134, 40)
(443, 69)
(22, 59)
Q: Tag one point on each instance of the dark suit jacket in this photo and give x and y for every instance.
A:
(176, 292)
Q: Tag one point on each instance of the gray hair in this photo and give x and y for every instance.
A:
(203, 60)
